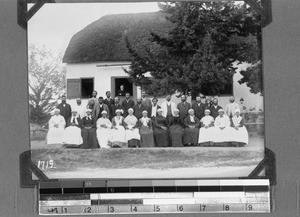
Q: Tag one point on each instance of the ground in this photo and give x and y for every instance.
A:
(129, 163)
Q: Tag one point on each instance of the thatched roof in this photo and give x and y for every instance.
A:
(103, 40)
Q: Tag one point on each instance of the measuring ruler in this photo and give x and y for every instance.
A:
(154, 196)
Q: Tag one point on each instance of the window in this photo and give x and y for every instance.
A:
(81, 87)
(127, 85)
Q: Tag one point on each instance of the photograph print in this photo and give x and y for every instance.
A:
(147, 90)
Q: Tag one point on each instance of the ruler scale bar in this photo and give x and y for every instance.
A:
(157, 196)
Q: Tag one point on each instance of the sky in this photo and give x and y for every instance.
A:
(54, 24)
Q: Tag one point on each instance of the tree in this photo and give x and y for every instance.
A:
(46, 80)
(198, 53)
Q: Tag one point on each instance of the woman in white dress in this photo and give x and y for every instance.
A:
(207, 130)
(104, 131)
(72, 135)
(133, 136)
(56, 130)
(118, 130)
(240, 133)
(223, 130)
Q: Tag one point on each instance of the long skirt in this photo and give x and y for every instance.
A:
(89, 139)
(191, 135)
(55, 135)
(161, 137)
(118, 137)
(240, 135)
(176, 135)
(72, 136)
(104, 136)
(206, 134)
(147, 139)
(133, 134)
(225, 135)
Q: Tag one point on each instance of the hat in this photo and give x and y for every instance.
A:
(74, 111)
(144, 112)
(221, 110)
(176, 110)
(159, 110)
(56, 110)
(207, 110)
(104, 112)
(118, 110)
(237, 110)
(88, 110)
(130, 109)
(78, 99)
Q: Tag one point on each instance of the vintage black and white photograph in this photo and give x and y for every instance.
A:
(146, 90)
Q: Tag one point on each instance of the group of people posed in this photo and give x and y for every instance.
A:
(107, 123)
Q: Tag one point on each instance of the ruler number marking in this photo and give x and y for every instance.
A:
(111, 209)
(202, 207)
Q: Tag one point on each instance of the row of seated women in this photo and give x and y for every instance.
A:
(157, 132)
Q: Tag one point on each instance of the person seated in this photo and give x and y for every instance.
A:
(240, 133)
(176, 130)
(161, 133)
(223, 131)
(206, 132)
(191, 130)
(132, 132)
(118, 130)
(146, 132)
(56, 130)
(88, 131)
(104, 130)
(72, 135)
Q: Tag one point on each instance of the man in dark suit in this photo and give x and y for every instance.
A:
(99, 108)
(139, 108)
(65, 109)
(214, 109)
(198, 107)
(153, 109)
(88, 131)
(183, 107)
(127, 104)
(116, 106)
(109, 102)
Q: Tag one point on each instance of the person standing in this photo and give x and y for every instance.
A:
(153, 109)
(138, 108)
(64, 108)
(214, 109)
(109, 102)
(88, 131)
(80, 108)
(198, 107)
(146, 101)
(231, 107)
(168, 108)
(92, 102)
(183, 107)
(99, 108)
(116, 106)
(127, 104)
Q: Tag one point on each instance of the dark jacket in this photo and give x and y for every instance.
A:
(214, 111)
(65, 111)
(199, 110)
(88, 123)
(137, 110)
(127, 105)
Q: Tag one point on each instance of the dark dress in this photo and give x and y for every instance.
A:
(146, 132)
(176, 132)
(89, 135)
(161, 136)
(191, 134)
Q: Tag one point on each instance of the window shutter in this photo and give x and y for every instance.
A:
(73, 88)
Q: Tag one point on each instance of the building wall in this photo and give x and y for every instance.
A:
(103, 71)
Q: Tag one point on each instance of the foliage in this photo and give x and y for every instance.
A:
(46, 80)
(252, 76)
(198, 53)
